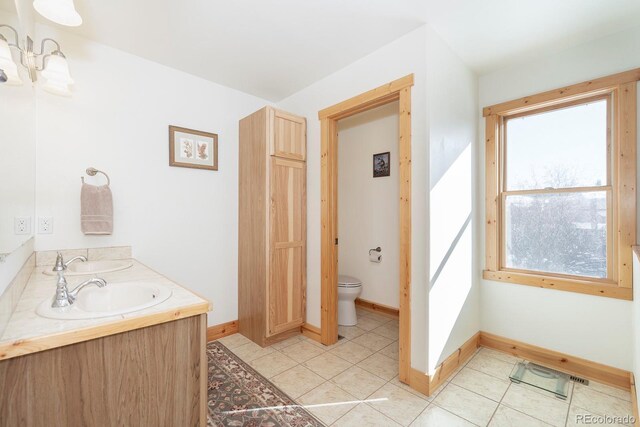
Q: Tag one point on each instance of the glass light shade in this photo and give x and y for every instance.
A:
(56, 74)
(8, 65)
(61, 12)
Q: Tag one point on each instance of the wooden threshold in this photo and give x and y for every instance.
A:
(216, 332)
(374, 307)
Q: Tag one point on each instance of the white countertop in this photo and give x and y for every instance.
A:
(27, 332)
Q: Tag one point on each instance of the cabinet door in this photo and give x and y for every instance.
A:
(286, 298)
(289, 136)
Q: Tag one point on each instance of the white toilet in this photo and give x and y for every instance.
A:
(349, 288)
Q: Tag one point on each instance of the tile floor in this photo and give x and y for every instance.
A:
(333, 381)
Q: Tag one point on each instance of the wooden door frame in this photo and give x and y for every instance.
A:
(397, 90)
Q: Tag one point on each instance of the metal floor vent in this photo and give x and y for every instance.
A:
(579, 380)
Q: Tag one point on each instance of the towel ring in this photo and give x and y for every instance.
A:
(93, 171)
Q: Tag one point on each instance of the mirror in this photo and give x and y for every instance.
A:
(17, 157)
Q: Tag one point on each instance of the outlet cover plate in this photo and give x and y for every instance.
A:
(22, 225)
(45, 225)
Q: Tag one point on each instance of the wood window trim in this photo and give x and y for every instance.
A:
(622, 90)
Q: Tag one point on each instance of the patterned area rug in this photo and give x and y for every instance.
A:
(240, 396)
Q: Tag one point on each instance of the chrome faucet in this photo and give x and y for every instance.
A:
(75, 258)
(64, 297)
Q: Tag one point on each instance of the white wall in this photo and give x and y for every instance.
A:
(17, 162)
(13, 262)
(403, 56)
(181, 222)
(17, 166)
(368, 210)
(590, 327)
(454, 295)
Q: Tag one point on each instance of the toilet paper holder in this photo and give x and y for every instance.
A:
(375, 257)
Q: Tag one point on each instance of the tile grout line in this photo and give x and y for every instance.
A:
(449, 412)
(387, 416)
(573, 390)
(336, 385)
(486, 373)
(431, 399)
(604, 393)
(324, 351)
(499, 403)
(520, 411)
(387, 382)
(593, 391)
(517, 410)
(524, 413)
(365, 403)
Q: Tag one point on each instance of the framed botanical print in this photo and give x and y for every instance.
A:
(190, 148)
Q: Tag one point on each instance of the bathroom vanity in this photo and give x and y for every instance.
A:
(142, 368)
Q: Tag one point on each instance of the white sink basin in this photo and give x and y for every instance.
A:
(112, 300)
(78, 268)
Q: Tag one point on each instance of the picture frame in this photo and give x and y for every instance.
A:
(189, 148)
(382, 164)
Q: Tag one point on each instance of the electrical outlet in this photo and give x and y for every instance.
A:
(45, 225)
(22, 225)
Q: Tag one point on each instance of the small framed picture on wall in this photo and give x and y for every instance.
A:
(190, 148)
(381, 164)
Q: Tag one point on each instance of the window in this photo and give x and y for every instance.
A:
(561, 174)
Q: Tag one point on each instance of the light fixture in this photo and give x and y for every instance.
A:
(57, 75)
(53, 65)
(61, 12)
(7, 65)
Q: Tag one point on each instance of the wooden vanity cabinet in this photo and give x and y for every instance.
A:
(147, 377)
(272, 226)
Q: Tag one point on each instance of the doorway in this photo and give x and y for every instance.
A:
(397, 90)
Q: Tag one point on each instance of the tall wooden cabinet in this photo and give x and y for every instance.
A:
(272, 226)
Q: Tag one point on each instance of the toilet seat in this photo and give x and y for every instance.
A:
(349, 286)
(348, 282)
